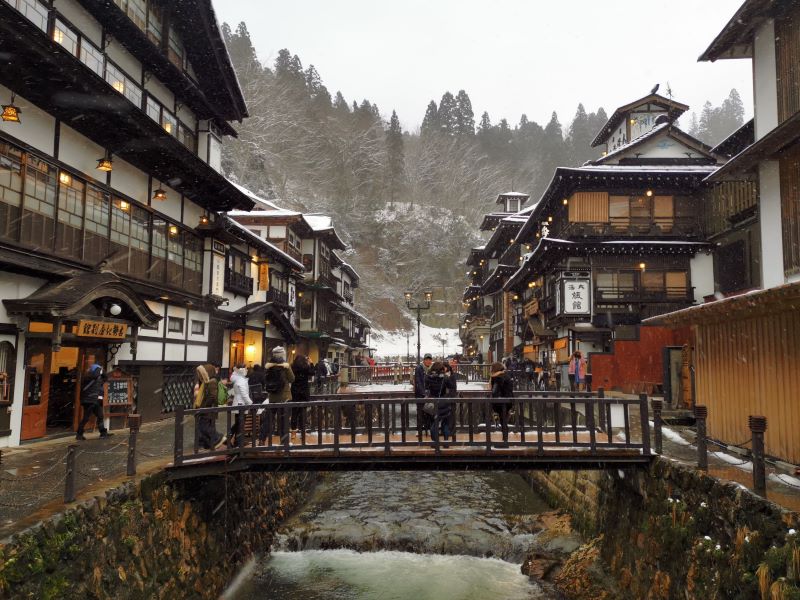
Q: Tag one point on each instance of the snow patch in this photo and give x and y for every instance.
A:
(392, 344)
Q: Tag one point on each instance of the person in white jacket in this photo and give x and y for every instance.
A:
(241, 397)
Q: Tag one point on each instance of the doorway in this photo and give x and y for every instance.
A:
(52, 387)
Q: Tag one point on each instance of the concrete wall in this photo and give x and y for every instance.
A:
(151, 540)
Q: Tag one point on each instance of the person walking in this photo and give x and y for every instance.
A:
(577, 372)
(440, 385)
(278, 385)
(92, 400)
(321, 372)
(420, 390)
(241, 397)
(502, 387)
(256, 381)
(300, 391)
(206, 396)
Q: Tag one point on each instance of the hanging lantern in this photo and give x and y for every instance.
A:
(160, 194)
(105, 163)
(11, 112)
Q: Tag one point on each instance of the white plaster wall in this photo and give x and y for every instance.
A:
(197, 354)
(160, 92)
(173, 352)
(701, 271)
(36, 127)
(662, 146)
(187, 116)
(158, 308)
(80, 152)
(81, 19)
(769, 211)
(125, 61)
(129, 180)
(147, 350)
(765, 87)
(180, 313)
(15, 422)
(191, 213)
(197, 316)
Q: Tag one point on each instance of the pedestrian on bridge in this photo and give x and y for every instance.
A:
(420, 390)
(502, 387)
(303, 371)
(278, 385)
(206, 396)
(241, 397)
(440, 385)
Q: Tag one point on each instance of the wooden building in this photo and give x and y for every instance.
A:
(112, 246)
(746, 350)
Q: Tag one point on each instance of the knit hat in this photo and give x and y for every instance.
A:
(279, 353)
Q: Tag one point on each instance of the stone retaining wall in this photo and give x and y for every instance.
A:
(152, 539)
(675, 532)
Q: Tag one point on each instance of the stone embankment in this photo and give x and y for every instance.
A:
(672, 532)
(152, 539)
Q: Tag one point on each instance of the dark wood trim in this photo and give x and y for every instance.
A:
(9, 329)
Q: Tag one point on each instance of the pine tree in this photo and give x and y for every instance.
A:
(465, 118)
(430, 123)
(580, 138)
(447, 114)
(694, 127)
(340, 104)
(395, 158)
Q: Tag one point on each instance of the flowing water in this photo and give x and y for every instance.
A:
(397, 536)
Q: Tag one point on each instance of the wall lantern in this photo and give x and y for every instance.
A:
(649, 193)
(550, 219)
(515, 298)
(527, 246)
(251, 348)
(633, 121)
(115, 310)
(124, 206)
(173, 230)
(531, 284)
(105, 163)
(299, 294)
(642, 266)
(11, 112)
(267, 322)
(159, 194)
(511, 241)
(481, 338)
(538, 234)
(565, 201)
(65, 178)
(409, 294)
(204, 220)
(233, 345)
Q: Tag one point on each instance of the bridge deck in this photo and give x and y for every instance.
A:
(381, 433)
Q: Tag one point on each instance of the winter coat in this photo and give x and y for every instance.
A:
(256, 383)
(207, 378)
(241, 390)
(92, 387)
(439, 385)
(300, 389)
(419, 381)
(581, 367)
(321, 370)
(502, 386)
(286, 393)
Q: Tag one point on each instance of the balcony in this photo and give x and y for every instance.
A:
(325, 278)
(638, 295)
(348, 296)
(239, 284)
(278, 297)
(616, 227)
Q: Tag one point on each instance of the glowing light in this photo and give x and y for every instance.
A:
(159, 194)
(642, 266)
(124, 205)
(173, 230)
(119, 86)
(11, 112)
(105, 164)
(649, 193)
(65, 178)
(565, 201)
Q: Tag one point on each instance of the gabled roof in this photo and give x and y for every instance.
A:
(260, 203)
(519, 195)
(253, 238)
(674, 109)
(736, 38)
(665, 130)
(737, 141)
(322, 226)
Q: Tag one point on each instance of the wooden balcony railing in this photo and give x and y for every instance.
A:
(278, 297)
(636, 294)
(238, 283)
(681, 227)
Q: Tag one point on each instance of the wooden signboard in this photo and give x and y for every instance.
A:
(102, 329)
(119, 395)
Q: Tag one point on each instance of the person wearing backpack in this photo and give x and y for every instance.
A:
(278, 378)
(208, 396)
(502, 386)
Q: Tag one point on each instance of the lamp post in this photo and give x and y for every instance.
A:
(408, 346)
(419, 307)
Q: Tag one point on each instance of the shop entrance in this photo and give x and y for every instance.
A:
(52, 386)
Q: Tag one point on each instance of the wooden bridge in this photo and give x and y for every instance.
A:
(379, 431)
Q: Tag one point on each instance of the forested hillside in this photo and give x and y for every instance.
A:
(408, 203)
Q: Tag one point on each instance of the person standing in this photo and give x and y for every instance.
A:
(577, 372)
(241, 397)
(256, 382)
(420, 390)
(92, 400)
(321, 373)
(278, 385)
(502, 387)
(206, 397)
(300, 391)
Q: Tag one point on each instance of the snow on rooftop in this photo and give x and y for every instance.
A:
(281, 212)
(319, 222)
(261, 203)
(255, 236)
(646, 168)
(514, 194)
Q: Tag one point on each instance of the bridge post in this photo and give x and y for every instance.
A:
(644, 412)
(658, 406)
(133, 424)
(178, 456)
(758, 425)
(69, 483)
(701, 414)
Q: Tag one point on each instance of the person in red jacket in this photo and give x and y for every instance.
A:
(577, 372)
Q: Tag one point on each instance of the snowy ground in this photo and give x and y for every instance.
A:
(392, 344)
(406, 386)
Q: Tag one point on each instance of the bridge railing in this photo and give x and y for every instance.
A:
(583, 423)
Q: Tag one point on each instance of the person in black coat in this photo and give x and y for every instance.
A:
(321, 372)
(301, 392)
(440, 385)
(420, 390)
(502, 387)
(92, 400)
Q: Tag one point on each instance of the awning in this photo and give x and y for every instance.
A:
(747, 305)
(275, 314)
(85, 294)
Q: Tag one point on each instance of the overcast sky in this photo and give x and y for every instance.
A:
(511, 56)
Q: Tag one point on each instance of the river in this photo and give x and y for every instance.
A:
(397, 536)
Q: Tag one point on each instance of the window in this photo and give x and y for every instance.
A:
(92, 57)
(64, 36)
(174, 325)
(174, 255)
(614, 285)
(198, 327)
(169, 123)
(175, 50)
(137, 12)
(155, 19)
(192, 263)
(123, 84)
(153, 109)
(10, 190)
(653, 282)
(677, 284)
(140, 242)
(69, 230)
(186, 137)
(39, 203)
(34, 11)
(158, 249)
(120, 234)
(95, 246)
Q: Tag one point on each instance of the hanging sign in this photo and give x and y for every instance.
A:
(218, 270)
(576, 297)
(102, 329)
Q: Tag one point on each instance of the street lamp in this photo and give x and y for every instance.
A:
(419, 307)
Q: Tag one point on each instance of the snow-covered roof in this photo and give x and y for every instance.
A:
(645, 169)
(261, 203)
(671, 129)
(281, 212)
(515, 219)
(255, 238)
(514, 194)
(319, 222)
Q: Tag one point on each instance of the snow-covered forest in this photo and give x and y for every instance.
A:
(407, 203)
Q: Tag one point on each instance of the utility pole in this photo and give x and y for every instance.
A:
(419, 307)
